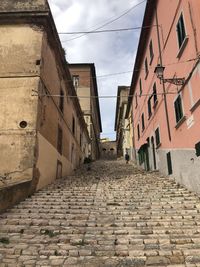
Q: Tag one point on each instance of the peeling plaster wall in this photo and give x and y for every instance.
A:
(28, 5)
(20, 47)
(50, 117)
(108, 150)
(47, 162)
(185, 167)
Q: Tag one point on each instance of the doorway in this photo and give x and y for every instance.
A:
(59, 170)
(169, 163)
(153, 152)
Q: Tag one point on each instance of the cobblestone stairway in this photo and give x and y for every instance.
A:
(113, 215)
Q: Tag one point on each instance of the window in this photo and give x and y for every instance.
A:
(72, 153)
(157, 135)
(143, 126)
(197, 148)
(146, 67)
(136, 101)
(180, 28)
(61, 101)
(75, 79)
(138, 131)
(73, 125)
(151, 52)
(80, 139)
(169, 163)
(149, 107)
(178, 109)
(140, 87)
(155, 99)
(59, 140)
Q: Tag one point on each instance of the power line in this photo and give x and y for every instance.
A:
(99, 97)
(108, 22)
(111, 30)
(104, 75)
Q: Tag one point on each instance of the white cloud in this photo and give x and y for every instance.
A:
(111, 52)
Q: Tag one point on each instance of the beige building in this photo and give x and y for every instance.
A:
(43, 135)
(108, 149)
(122, 125)
(129, 134)
(85, 83)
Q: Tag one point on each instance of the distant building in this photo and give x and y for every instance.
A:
(122, 126)
(85, 84)
(43, 135)
(108, 149)
(166, 110)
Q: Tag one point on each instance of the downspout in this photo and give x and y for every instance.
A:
(163, 84)
(194, 29)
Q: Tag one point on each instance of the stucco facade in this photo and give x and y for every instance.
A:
(121, 123)
(85, 83)
(165, 115)
(108, 149)
(42, 136)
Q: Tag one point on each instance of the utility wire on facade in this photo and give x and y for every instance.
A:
(104, 75)
(109, 30)
(35, 93)
(108, 22)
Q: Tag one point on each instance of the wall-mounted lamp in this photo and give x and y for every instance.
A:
(159, 70)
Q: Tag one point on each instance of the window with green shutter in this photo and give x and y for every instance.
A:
(178, 108)
(180, 27)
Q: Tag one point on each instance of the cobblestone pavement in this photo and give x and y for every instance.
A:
(113, 215)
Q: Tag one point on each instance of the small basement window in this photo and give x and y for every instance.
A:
(197, 147)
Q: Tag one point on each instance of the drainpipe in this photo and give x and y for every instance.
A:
(194, 29)
(163, 84)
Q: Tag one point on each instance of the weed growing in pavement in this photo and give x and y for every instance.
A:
(50, 233)
(4, 240)
(81, 243)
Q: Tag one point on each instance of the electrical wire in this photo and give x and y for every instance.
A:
(109, 30)
(104, 75)
(108, 22)
(35, 93)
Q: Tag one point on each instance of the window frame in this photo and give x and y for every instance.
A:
(151, 53)
(140, 87)
(61, 100)
(143, 124)
(138, 131)
(177, 117)
(59, 139)
(154, 95)
(181, 30)
(149, 107)
(136, 100)
(157, 137)
(146, 67)
(76, 79)
(73, 125)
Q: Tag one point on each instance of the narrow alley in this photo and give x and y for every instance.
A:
(113, 215)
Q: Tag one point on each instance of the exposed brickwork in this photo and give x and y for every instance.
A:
(113, 215)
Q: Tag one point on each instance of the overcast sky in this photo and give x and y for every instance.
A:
(111, 52)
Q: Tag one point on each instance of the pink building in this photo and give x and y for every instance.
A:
(166, 111)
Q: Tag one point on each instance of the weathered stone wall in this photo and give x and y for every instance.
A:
(19, 50)
(23, 5)
(86, 88)
(50, 117)
(108, 150)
